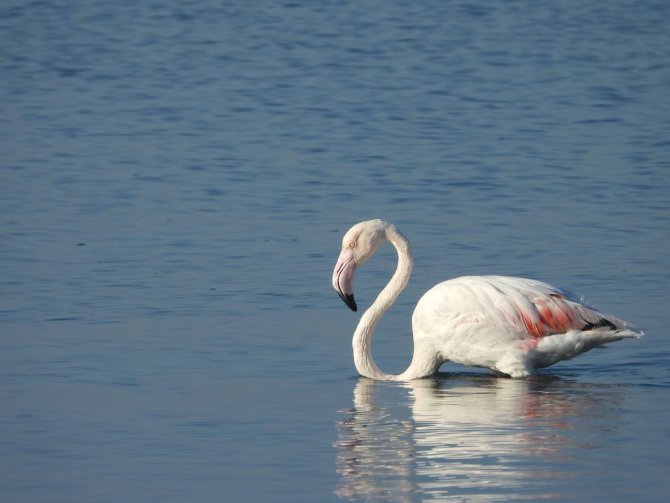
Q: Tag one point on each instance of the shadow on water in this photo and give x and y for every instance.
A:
(468, 436)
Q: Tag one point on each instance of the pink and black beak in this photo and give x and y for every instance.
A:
(343, 277)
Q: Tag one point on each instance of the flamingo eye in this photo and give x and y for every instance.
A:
(352, 244)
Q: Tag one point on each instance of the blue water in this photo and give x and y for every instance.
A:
(176, 179)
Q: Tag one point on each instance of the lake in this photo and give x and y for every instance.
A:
(176, 181)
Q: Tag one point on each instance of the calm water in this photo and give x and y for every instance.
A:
(176, 179)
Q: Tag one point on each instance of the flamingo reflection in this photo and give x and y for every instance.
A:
(474, 437)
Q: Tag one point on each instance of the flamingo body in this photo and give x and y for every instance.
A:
(509, 325)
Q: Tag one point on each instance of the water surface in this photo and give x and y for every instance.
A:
(176, 180)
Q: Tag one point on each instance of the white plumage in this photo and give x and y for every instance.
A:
(509, 325)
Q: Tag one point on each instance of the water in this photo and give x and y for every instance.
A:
(176, 180)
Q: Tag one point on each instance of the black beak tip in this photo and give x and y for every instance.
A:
(349, 301)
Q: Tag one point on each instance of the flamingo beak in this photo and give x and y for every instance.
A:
(343, 277)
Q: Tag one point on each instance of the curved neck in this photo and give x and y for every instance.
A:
(362, 340)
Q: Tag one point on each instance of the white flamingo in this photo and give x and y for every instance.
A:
(509, 325)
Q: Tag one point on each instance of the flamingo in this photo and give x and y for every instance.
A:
(509, 325)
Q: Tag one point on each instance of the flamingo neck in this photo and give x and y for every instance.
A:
(362, 341)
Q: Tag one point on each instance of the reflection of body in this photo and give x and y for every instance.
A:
(510, 325)
(498, 438)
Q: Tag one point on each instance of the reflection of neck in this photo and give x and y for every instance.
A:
(362, 341)
(373, 442)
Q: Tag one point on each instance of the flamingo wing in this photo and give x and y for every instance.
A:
(541, 310)
(534, 308)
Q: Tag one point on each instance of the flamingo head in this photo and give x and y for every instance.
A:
(358, 245)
